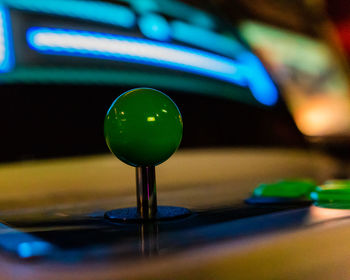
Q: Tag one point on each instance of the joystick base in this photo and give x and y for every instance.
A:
(131, 215)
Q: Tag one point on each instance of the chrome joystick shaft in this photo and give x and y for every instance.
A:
(154, 116)
(146, 192)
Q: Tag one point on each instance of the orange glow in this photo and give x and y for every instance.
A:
(323, 115)
(319, 214)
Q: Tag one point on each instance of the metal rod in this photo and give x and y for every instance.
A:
(146, 192)
(149, 239)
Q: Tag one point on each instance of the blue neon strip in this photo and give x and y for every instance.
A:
(88, 10)
(6, 50)
(136, 50)
(259, 81)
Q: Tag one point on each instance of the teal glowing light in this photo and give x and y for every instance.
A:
(183, 11)
(143, 5)
(6, 51)
(88, 76)
(154, 27)
(88, 10)
(206, 39)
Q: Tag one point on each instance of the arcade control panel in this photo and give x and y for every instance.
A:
(201, 213)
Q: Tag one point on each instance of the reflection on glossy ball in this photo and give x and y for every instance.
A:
(143, 127)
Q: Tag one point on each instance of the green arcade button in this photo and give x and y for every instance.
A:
(143, 128)
(333, 194)
(285, 192)
(296, 188)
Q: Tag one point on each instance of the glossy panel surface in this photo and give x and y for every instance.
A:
(55, 213)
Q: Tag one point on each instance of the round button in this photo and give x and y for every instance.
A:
(286, 189)
(333, 194)
(143, 127)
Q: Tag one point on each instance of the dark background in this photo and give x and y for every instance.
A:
(41, 121)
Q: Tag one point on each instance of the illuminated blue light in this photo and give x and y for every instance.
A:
(23, 244)
(122, 48)
(6, 51)
(87, 10)
(33, 249)
(155, 27)
(205, 38)
(258, 79)
(248, 71)
(250, 66)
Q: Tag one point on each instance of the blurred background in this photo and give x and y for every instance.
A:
(243, 73)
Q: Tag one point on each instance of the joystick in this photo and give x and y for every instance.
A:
(143, 128)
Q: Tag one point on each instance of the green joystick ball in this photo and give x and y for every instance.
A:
(143, 127)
